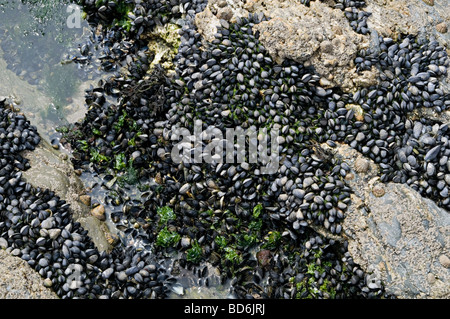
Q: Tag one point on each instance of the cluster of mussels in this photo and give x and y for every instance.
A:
(351, 8)
(408, 151)
(117, 29)
(356, 17)
(258, 229)
(137, 17)
(37, 226)
(255, 228)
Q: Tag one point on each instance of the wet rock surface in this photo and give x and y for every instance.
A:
(398, 237)
(49, 171)
(19, 281)
(317, 35)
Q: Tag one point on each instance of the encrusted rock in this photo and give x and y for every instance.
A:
(99, 212)
(401, 238)
(207, 23)
(19, 281)
(318, 35)
(445, 261)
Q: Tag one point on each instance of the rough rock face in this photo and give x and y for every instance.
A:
(48, 170)
(409, 16)
(392, 17)
(19, 281)
(321, 35)
(317, 35)
(395, 234)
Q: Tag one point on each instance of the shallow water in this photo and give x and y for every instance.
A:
(34, 45)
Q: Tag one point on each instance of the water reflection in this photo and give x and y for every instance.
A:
(35, 43)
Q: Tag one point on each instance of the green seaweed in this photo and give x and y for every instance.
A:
(194, 254)
(167, 238)
(232, 255)
(165, 215)
(120, 162)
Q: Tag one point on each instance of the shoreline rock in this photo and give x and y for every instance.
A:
(401, 238)
(49, 171)
(19, 281)
(318, 35)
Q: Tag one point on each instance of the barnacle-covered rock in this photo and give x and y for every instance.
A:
(398, 237)
(316, 35)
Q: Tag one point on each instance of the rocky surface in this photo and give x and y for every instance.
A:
(393, 17)
(19, 281)
(320, 35)
(317, 35)
(395, 234)
(409, 16)
(50, 170)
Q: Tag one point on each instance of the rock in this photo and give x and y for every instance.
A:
(207, 23)
(407, 16)
(86, 200)
(54, 233)
(318, 35)
(400, 237)
(19, 281)
(99, 212)
(445, 261)
(98, 230)
(390, 18)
